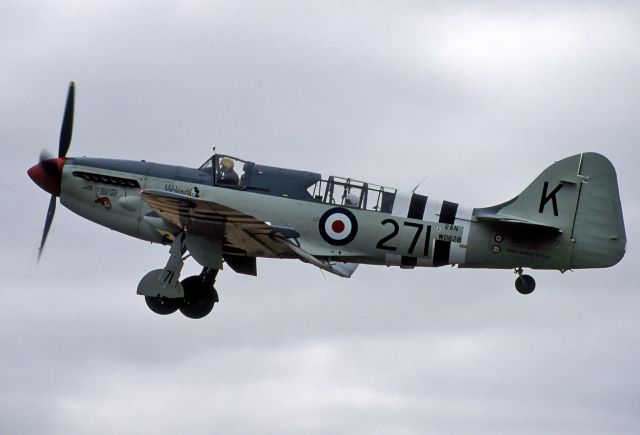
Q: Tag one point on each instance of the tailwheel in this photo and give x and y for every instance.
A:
(199, 297)
(162, 305)
(525, 284)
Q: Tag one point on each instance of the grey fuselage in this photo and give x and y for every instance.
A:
(405, 230)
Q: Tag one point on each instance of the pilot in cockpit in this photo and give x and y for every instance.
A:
(227, 174)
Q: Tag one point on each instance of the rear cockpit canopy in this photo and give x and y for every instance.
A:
(353, 193)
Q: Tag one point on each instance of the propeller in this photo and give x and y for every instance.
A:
(48, 172)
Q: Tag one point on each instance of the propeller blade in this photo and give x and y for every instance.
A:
(47, 224)
(67, 122)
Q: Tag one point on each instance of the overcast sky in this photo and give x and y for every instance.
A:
(478, 98)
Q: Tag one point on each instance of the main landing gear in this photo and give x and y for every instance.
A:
(199, 297)
(194, 296)
(525, 284)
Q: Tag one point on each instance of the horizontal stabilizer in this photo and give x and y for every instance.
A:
(506, 219)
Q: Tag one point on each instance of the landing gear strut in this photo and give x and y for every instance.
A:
(525, 284)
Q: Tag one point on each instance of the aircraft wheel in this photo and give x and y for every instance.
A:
(525, 284)
(199, 298)
(162, 305)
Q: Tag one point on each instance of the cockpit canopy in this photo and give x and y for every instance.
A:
(232, 172)
(228, 171)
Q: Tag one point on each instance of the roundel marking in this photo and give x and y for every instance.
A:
(338, 226)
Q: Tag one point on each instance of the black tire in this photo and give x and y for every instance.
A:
(525, 284)
(199, 298)
(161, 305)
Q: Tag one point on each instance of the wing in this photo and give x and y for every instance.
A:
(242, 234)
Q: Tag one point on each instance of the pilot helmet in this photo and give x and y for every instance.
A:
(351, 199)
(227, 163)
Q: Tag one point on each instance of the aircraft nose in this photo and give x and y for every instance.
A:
(48, 174)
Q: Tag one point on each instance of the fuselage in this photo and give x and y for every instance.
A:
(406, 229)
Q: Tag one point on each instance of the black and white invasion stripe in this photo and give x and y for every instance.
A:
(419, 207)
(441, 249)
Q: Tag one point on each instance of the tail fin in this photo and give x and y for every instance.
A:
(577, 197)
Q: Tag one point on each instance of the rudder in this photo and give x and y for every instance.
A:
(598, 233)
